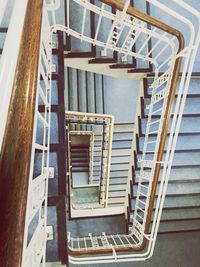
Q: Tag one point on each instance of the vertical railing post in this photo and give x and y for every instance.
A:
(17, 143)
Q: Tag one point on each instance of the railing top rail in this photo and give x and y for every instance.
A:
(17, 143)
(85, 115)
(148, 19)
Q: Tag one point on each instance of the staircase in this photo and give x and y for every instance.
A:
(121, 156)
(80, 158)
(181, 208)
(181, 212)
(57, 190)
(83, 90)
(86, 93)
(94, 58)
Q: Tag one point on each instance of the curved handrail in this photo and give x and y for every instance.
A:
(181, 44)
(16, 149)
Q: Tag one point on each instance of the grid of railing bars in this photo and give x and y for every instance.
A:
(129, 28)
(35, 236)
(91, 121)
(102, 242)
(184, 86)
(148, 161)
(162, 42)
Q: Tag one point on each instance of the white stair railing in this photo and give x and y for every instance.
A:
(164, 60)
(35, 235)
(164, 56)
(75, 120)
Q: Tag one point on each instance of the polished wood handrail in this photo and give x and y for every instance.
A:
(172, 91)
(16, 149)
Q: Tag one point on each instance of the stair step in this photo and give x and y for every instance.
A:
(183, 143)
(182, 173)
(119, 167)
(53, 264)
(121, 152)
(79, 157)
(193, 86)
(120, 159)
(124, 127)
(177, 201)
(80, 164)
(188, 125)
(79, 148)
(118, 180)
(191, 106)
(116, 200)
(122, 66)
(122, 144)
(80, 169)
(122, 136)
(97, 138)
(180, 214)
(116, 187)
(179, 226)
(122, 173)
(177, 187)
(180, 158)
(118, 194)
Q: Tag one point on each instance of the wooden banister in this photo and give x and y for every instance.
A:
(172, 91)
(16, 149)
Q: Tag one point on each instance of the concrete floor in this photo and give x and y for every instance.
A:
(109, 225)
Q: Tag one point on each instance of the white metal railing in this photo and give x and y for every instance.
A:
(35, 235)
(75, 120)
(162, 55)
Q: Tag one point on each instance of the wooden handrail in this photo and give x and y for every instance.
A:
(172, 91)
(16, 149)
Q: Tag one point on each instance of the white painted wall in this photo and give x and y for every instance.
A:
(121, 98)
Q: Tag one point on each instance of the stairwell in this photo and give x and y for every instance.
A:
(93, 96)
(85, 92)
(181, 211)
